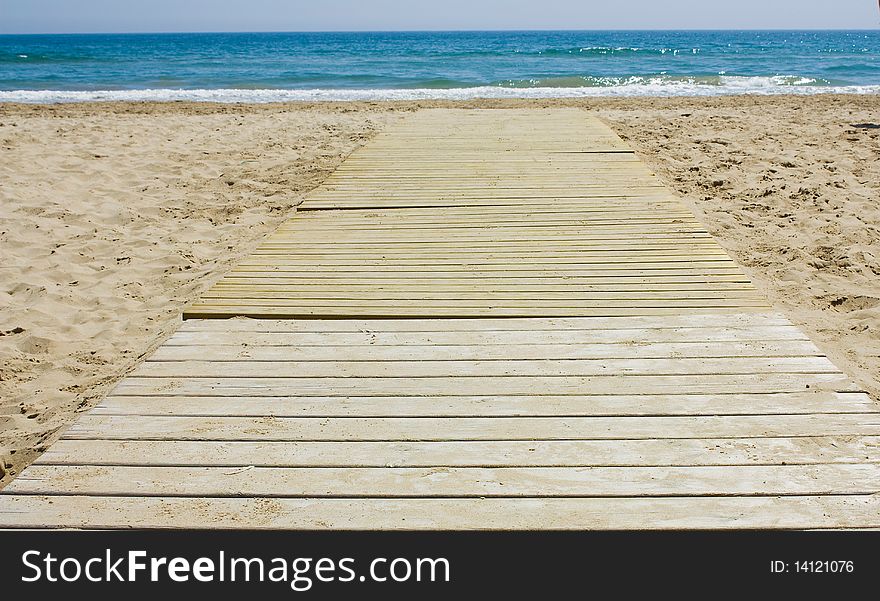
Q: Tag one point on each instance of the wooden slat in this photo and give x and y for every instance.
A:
(457, 306)
(283, 292)
(388, 311)
(743, 322)
(427, 367)
(501, 288)
(450, 482)
(264, 333)
(403, 385)
(789, 403)
(534, 273)
(283, 349)
(470, 453)
(488, 263)
(796, 512)
(510, 199)
(472, 428)
(340, 252)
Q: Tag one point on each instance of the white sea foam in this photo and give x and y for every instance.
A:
(658, 86)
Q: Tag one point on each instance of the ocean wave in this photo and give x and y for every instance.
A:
(618, 51)
(31, 58)
(718, 81)
(614, 87)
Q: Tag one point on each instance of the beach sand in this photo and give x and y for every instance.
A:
(115, 216)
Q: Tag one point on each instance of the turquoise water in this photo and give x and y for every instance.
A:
(348, 66)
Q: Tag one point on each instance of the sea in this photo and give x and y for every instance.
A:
(269, 67)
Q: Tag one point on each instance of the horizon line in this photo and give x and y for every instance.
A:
(548, 30)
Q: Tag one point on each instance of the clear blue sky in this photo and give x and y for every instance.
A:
(57, 16)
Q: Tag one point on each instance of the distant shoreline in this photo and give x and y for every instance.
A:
(585, 102)
(273, 96)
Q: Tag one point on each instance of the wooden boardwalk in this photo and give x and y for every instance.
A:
(483, 319)
(487, 214)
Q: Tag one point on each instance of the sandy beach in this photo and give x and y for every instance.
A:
(115, 216)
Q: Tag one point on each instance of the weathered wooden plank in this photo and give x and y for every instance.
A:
(554, 171)
(363, 159)
(474, 428)
(596, 179)
(491, 406)
(516, 341)
(593, 221)
(411, 199)
(796, 512)
(578, 216)
(500, 171)
(567, 207)
(459, 297)
(608, 176)
(340, 251)
(621, 229)
(206, 311)
(424, 302)
(608, 181)
(280, 262)
(362, 199)
(521, 235)
(403, 277)
(499, 286)
(647, 240)
(744, 322)
(426, 367)
(349, 251)
(285, 349)
(490, 263)
(450, 482)
(705, 267)
(477, 385)
(472, 453)
(545, 194)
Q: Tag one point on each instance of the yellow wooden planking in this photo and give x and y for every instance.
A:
(342, 429)
(514, 344)
(469, 453)
(333, 311)
(426, 366)
(794, 512)
(510, 324)
(792, 403)
(401, 385)
(497, 199)
(450, 482)
(486, 213)
(440, 288)
(427, 303)
(285, 348)
(601, 326)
